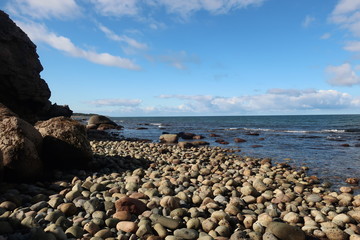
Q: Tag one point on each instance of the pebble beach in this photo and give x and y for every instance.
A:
(135, 190)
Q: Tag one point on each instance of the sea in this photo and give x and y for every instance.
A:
(328, 144)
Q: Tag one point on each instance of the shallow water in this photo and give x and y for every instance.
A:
(313, 141)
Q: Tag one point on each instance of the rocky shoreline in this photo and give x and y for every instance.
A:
(135, 190)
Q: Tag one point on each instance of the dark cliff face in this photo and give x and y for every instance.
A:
(21, 87)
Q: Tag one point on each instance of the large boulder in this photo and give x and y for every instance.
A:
(101, 123)
(20, 147)
(169, 138)
(65, 143)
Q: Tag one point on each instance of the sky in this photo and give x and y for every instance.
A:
(197, 57)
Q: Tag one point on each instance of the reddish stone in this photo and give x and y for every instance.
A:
(214, 135)
(252, 134)
(256, 146)
(352, 180)
(138, 195)
(130, 205)
(239, 140)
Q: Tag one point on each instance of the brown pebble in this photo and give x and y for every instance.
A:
(127, 226)
(122, 215)
(131, 205)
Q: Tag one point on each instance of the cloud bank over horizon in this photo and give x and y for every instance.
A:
(274, 101)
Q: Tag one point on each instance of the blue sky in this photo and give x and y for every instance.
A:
(197, 57)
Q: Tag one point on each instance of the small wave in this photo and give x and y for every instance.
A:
(231, 129)
(296, 131)
(259, 129)
(333, 131)
(156, 124)
(335, 138)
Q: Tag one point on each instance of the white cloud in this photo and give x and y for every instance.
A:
(117, 7)
(352, 46)
(346, 6)
(342, 75)
(347, 15)
(274, 101)
(39, 33)
(116, 102)
(183, 8)
(307, 21)
(130, 41)
(325, 36)
(45, 9)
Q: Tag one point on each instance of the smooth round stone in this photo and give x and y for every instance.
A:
(220, 199)
(232, 210)
(178, 212)
(257, 227)
(208, 225)
(193, 223)
(313, 198)
(111, 222)
(97, 187)
(91, 227)
(335, 233)
(342, 218)
(165, 221)
(98, 214)
(223, 231)
(143, 229)
(122, 215)
(259, 185)
(8, 205)
(39, 205)
(57, 231)
(29, 222)
(283, 231)
(219, 215)
(249, 199)
(160, 230)
(186, 233)
(104, 233)
(74, 232)
(53, 216)
(55, 202)
(68, 209)
(63, 222)
(72, 195)
(127, 226)
(292, 217)
(92, 205)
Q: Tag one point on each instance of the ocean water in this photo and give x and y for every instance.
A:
(307, 140)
